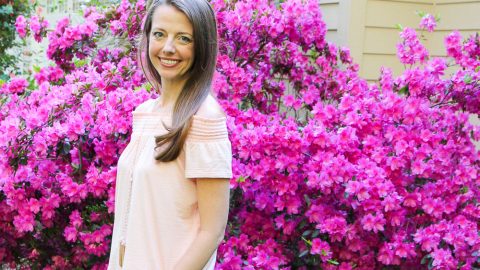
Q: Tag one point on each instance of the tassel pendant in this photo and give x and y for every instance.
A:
(121, 253)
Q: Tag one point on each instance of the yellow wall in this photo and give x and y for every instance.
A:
(368, 28)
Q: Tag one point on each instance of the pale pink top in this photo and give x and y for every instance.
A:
(163, 218)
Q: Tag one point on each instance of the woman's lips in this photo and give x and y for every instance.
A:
(169, 63)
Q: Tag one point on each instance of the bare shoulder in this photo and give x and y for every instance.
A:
(210, 108)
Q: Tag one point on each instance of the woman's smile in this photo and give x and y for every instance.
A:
(169, 63)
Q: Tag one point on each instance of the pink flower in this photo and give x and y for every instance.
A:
(70, 234)
(436, 67)
(73, 34)
(387, 256)
(116, 27)
(373, 223)
(24, 222)
(428, 238)
(400, 147)
(35, 25)
(75, 219)
(453, 44)
(442, 258)
(34, 205)
(21, 26)
(405, 250)
(428, 23)
(322, 248)
(410, 50)
(289, 100)
(392, 202)
(386, 79)
(411, 200)
(17, 85)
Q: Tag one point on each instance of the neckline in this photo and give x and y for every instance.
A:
(155, 105)
(154, 101)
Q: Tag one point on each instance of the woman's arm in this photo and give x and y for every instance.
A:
(213, 196)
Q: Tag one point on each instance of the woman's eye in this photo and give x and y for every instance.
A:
(185, 39)
(158, 34)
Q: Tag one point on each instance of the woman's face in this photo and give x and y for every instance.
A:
(171, 43)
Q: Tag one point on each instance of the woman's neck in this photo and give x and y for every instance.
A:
(169, 94)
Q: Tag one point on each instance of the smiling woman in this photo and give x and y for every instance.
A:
(172, 189)
(171, 45)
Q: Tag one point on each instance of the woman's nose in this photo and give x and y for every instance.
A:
(169, 47)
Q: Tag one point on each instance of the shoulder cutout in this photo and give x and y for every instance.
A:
(210, 109)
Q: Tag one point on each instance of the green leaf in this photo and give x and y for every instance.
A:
(306, 233)
(421, 13)
(307, 199)
(334, 262)
(477, 69)
(23, 160)
(36, 68)
(307, 241)
(147, 86)
(241, 179)
(80, 62)
(467, 79)
(404, 90)
(430, 265)
(7, 9)
(66, 148)
(425, 258)
(75, 166)
(399, 26)
(303, 253)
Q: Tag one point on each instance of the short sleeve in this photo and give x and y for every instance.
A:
(208, 151)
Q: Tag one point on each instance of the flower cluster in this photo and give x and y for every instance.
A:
(67, 42)
(461, 89)
(411, 51)
(17, 85)
(49, 74)
(21, 26)
(330, 171)
(38, 26)
(428, 22)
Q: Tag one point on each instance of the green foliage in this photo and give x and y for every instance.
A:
(102, 4)
(9, 11)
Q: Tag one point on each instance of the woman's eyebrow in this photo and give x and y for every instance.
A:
(161, 29)
(185, 33)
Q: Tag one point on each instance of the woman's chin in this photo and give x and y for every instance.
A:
(172, 78)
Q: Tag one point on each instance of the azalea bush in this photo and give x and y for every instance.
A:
(330, 171)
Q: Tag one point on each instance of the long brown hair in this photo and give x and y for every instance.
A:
(197, 87)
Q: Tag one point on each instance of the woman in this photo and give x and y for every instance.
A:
(172, 189)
